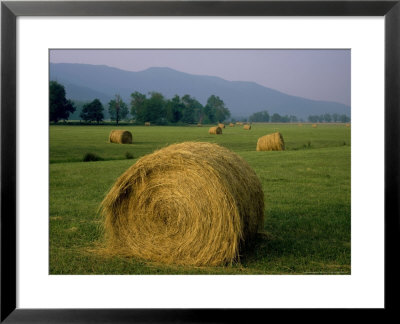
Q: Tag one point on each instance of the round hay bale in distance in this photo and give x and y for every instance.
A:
(314, 125)
(147, 124)
(247, 127)
(120, 137)
(191, 203)
(221, 125)
(271, 142)
(216, 130)
(231, 125)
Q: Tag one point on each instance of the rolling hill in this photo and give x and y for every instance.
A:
(84, 82)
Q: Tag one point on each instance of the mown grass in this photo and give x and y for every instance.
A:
(71, 143)
(307, 198)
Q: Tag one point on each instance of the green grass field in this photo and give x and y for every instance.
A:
(306, 188)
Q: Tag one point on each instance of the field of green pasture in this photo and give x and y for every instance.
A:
(306, 188)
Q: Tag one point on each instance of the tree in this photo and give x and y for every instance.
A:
(93, 111)
(138, 106)
(285, 119)
(216, 110)
(209, 115)
(344, 118)
(174, 109)
(192, 110)
(261, 116)
(117, 109)
(328, 118)
(313, 118)
(276, 118)
(60, 107)
(154, 108)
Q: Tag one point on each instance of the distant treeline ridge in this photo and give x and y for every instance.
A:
(264, 116)
(156, 109)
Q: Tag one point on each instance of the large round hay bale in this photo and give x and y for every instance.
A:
(247, 127)
(215, 130)
(120, 137)
(190, 203)
(271, 142)
(221, 125)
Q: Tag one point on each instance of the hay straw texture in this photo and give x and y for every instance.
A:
(247, 127)
(347, 125)
(221, 125)
(231, 125)
(215, 130)
(314, 125)
(271, 142)
(120, 137)
(191, 203)
(147, 124)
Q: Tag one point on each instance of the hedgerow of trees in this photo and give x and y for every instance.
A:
(328, 118)
(264, 116)
(186, 109)
(261, 117)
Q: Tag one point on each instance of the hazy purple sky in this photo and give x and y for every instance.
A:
(313, 74)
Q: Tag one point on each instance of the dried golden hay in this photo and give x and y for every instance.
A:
(215, 130)
(271, 142)
(247, 127)
(347, 125)
(199, 125)
(314, 125)
(120, 137)
(231, 125)
(192, 203)
(221, 125)
(147, 124)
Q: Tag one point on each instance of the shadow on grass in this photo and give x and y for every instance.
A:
(265, 246)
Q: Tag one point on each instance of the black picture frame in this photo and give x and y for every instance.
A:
(10, 10)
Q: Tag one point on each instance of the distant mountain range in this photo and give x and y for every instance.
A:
(84, 82)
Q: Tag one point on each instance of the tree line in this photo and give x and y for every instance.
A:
(264, 116)
(154, 108)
